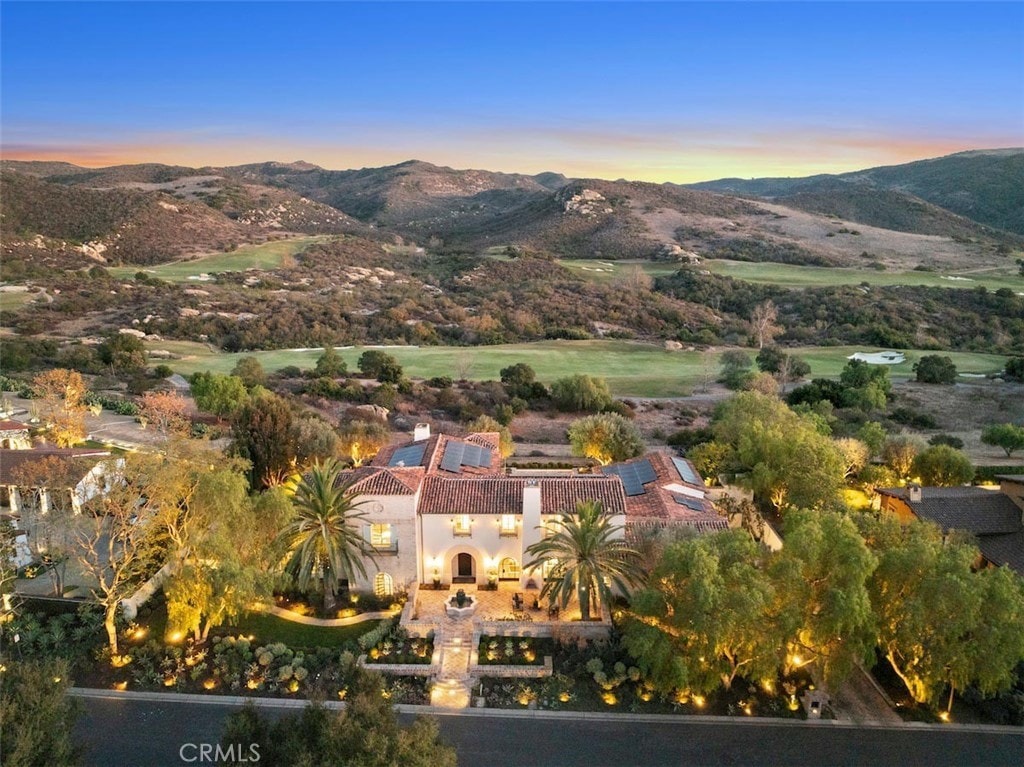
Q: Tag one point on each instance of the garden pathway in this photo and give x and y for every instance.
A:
(451, 688)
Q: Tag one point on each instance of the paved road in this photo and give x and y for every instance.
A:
(128, 733)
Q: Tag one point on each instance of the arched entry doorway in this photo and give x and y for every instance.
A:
(463, 568)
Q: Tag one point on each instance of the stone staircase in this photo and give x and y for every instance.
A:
(452, 684)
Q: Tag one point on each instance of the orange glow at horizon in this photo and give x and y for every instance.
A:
(657, 157)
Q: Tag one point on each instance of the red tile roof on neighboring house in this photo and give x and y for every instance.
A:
(13, 462)
(9, 425)
(472, 495)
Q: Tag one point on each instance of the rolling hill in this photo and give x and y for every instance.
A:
(985, 186)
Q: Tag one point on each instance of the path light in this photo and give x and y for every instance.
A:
(698, 701)
(944, 716)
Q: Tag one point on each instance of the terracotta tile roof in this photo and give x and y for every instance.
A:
(659, 499)
(372, 480)
(637, 526)
(9, 425)
(13, 462)
(561, 494)
(433, 453)
(472, 495)
(383, 456)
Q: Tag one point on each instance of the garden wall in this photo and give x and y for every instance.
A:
(405, 669)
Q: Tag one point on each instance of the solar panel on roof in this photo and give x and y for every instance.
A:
(471, 455)
(631, 479)
(485, 457)
(686, 472)
(690, 503)
(411, 455)
(645, 471)
(452, 459)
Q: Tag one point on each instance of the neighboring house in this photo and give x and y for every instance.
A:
(14, 436)
(442, 508)
(994, 517)
(83, 480)
(79, 477)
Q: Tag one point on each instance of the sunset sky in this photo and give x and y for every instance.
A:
(662, 92)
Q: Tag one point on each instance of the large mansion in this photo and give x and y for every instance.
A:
(443, 509)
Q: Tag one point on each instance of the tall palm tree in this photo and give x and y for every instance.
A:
(590, 556)
(324, 538)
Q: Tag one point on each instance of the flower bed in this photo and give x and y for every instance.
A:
(237, 665)
(605, 678)
(390, 643)
(354, 604)
(513, 651)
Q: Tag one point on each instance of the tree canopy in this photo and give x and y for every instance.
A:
(943, 466)
(605, 437)
(587, 556)
(935, 369)
(780, 455)
(1008, 436)
(581, 394)
(365, 734)
(710, 616)
(374, 363)
(330, 364)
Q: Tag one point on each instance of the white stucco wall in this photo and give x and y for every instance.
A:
(400, 512)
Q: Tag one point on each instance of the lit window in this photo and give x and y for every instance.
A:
(462, 525)
(509, 569)
(380, 536)
(508, 524)
(383, 585)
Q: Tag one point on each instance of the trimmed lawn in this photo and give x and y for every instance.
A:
(631, 368)
(269, 255)
(269, 628)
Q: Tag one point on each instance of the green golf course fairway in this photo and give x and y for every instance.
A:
(269, 255)
(631, 368)
(791, 276)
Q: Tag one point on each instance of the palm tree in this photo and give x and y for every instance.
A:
(324, 538)
(589, 557)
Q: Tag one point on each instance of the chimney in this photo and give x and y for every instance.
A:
(914, 491)
(421, 432)
(531, 524)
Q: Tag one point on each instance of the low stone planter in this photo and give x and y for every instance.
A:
(519, 671)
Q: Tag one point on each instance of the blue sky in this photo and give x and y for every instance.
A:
(662, 91)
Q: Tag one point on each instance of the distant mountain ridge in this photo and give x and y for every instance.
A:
(986, 186)
(149, 213)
